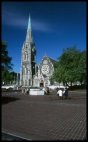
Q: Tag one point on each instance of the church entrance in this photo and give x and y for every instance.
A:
(41, 83)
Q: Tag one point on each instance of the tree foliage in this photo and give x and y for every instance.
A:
(6, 65)
(9, 77)
(5, 59)
(71, 66)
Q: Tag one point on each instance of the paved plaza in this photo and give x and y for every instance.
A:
(45, 117)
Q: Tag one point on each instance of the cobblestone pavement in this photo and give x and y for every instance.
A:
(45, 117)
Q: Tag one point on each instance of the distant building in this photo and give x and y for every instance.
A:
(32, 74)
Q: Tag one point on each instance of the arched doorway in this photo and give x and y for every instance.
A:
(41, 83)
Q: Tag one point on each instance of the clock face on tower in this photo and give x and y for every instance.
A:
(45, 69)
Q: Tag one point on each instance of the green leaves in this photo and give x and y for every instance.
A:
(6, 64)
(8, 77)
(5, 59)
(71, 66)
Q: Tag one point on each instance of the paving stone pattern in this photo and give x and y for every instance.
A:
(45, 117)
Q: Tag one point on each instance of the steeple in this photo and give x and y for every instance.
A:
(29, 31)
(29, 24)
(28, 58)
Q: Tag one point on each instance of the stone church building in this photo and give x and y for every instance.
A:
(32, 74)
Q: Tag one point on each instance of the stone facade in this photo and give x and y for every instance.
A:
(32, 74)
(44, 72)
(28, 59)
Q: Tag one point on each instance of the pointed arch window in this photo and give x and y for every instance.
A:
(25, 56)
(23, 71)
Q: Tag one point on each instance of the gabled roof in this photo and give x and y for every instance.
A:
(52, 60)
(46, 57)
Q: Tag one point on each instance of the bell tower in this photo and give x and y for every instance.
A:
(28, 59)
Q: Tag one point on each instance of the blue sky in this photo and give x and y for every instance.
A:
(55, 26)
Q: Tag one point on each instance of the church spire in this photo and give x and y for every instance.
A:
(29, 24)
(29, 31)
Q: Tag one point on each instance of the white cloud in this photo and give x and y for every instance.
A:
(40, 26)
(16, 20)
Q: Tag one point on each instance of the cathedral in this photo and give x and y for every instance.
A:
(32, 74)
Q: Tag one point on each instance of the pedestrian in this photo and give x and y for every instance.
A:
(27, 91)
(66, 93)
(60, 93)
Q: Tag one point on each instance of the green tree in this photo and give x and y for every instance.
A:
(13, 76)
(5, 59)
(70, 66)
(82, 67)
(6, 65)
